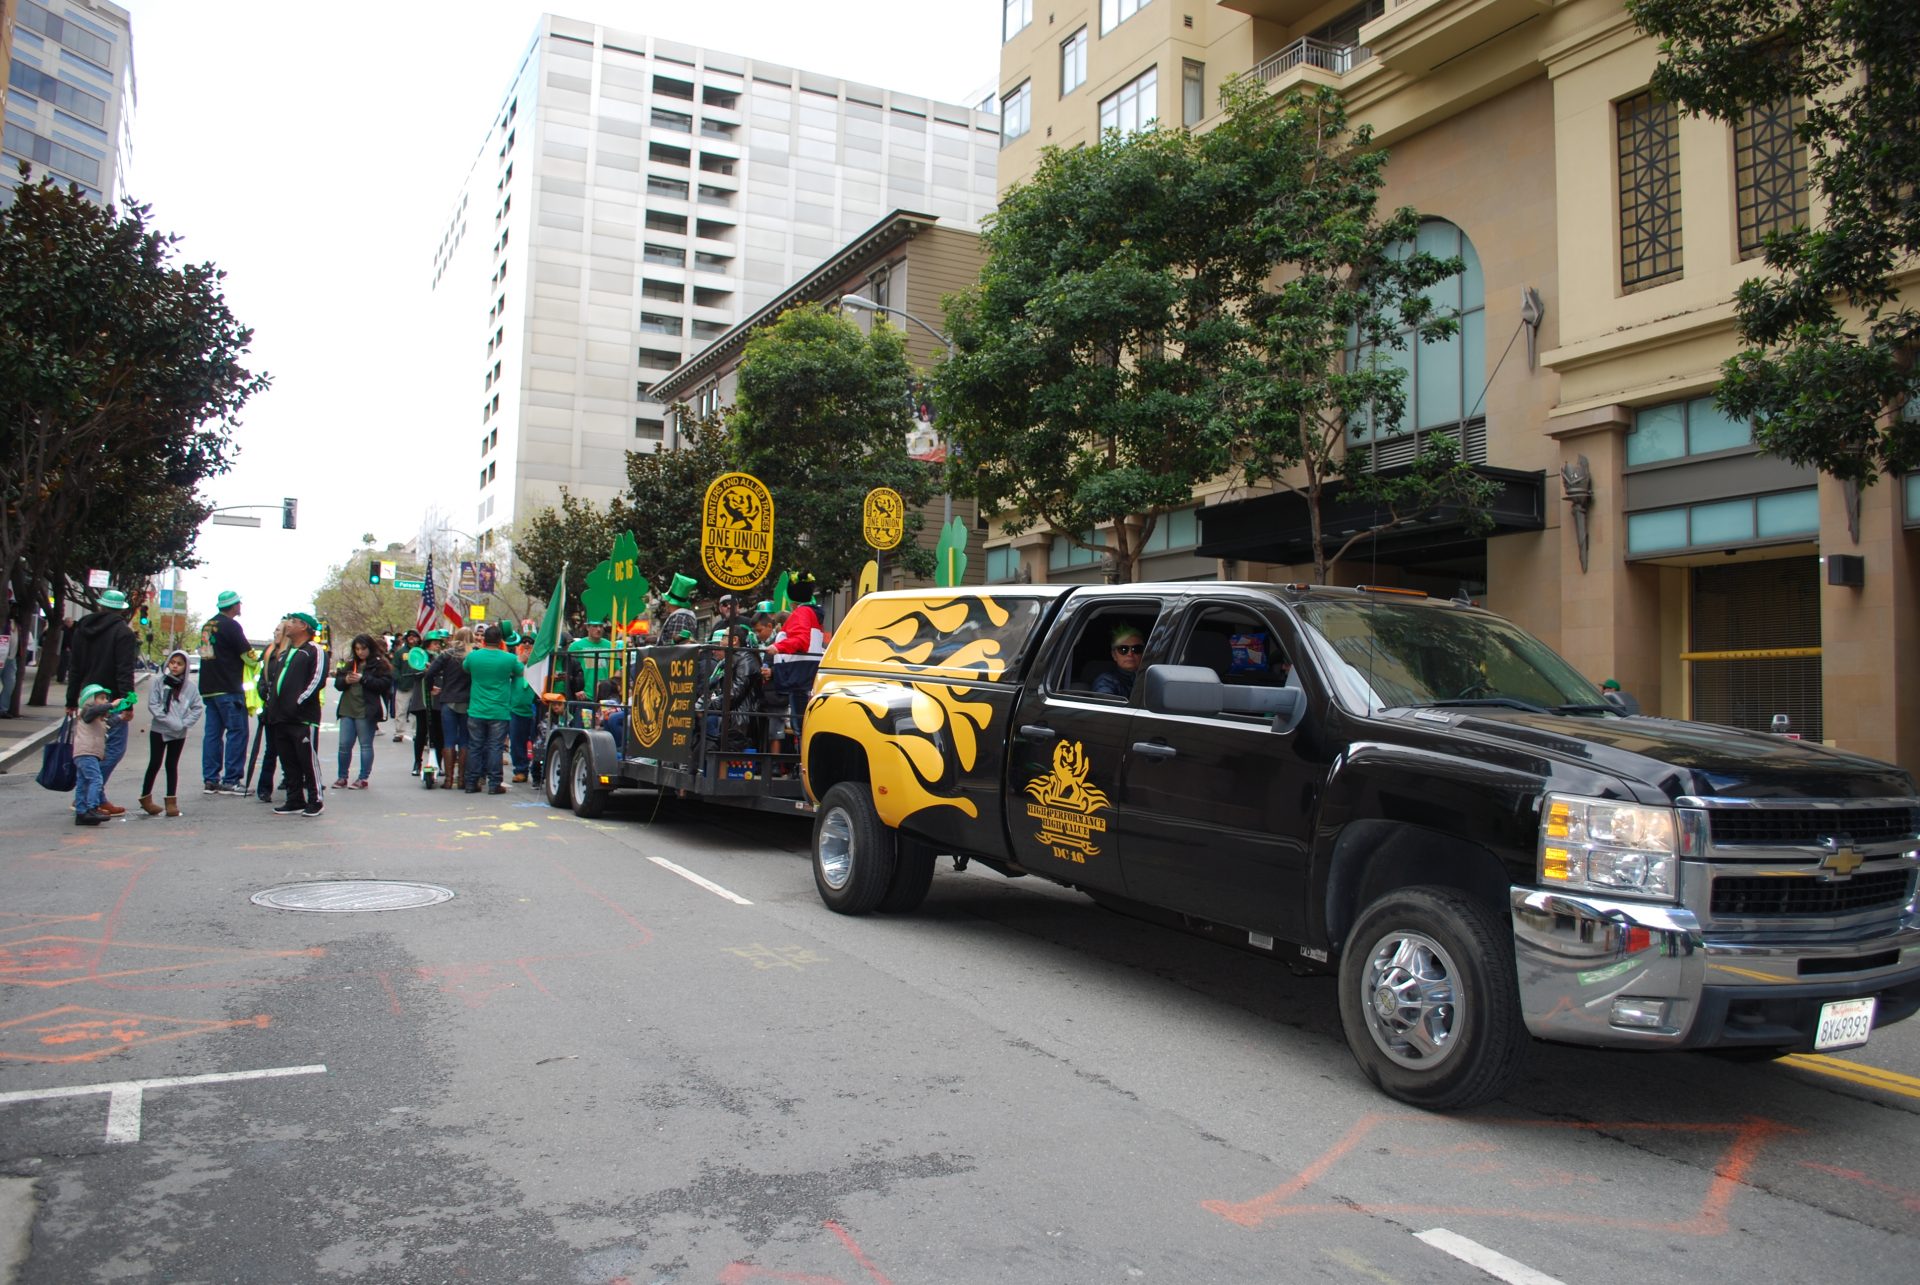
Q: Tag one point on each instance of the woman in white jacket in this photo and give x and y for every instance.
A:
(174, 704)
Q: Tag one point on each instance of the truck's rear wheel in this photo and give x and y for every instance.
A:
(589, 800)
(1429, 1000)
(559, 767)
(913, 861)
(853, 854)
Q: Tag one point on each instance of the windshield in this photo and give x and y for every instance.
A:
(1400, 654)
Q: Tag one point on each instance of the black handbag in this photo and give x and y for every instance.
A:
(56, 761)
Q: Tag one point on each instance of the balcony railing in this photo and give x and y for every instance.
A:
(1308, 52)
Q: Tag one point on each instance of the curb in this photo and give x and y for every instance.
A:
(47, 733)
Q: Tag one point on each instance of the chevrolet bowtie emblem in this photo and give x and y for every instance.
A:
(1841, 859)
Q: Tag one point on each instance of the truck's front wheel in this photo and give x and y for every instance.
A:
(1429, 999)
(852, 851)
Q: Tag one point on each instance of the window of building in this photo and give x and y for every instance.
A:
(668, 187)
(1769, 172)
(658, 222)
(667, 291)
(28, 146)
(1016, 112)
(715, 128)
(1676, 430)
(714, 96)
(709, 329)
(1785, 515)
(1173, 532)
(880, 288)
(715, 196)
(711, 164)
(1064, 555)
(1134, 106)
(704, 262)
(668, 87)
(75, 37)
(1649, 154)
(649, 430)
(1115, 12)
(1193, 91)
(666, 154)
(656, 323)
(484, 448)
(33, 81)
(664, 255)
(1003, 564)
(1014, 18)
(493, 438)
(1073, 62)
(1445, 379)
(678, 122)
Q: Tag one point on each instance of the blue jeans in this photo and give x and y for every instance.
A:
(484, 739)
(223, 747)
(453, 727)
(116, 750)
(9, 672)
(520, 742)
(351, 730)
(89, 787)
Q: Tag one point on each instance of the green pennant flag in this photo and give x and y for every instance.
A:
(547, 641)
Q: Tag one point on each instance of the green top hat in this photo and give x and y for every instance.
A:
(92, 690)
(680, 593)
(113, 600)
(313, 625)
(227, 598)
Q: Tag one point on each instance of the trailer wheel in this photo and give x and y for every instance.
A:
(913, 861)
(853, 854)
(589, 800)
(1429, 1000)
(557, 777)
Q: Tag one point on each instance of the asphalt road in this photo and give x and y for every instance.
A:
(587, 1068)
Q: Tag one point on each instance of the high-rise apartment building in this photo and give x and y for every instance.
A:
(1605, 233)
(70, 96)
(634, 199)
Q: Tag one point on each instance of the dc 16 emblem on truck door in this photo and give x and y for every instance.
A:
(1065, 806)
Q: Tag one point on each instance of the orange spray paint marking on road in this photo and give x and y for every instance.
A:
(71, 1033)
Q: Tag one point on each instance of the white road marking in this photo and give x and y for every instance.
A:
(708, 884)
(1492, 1262)
(124, 1097)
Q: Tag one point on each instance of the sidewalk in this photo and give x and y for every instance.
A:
(22, 737)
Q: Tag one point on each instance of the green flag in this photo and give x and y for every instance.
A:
(547, 641)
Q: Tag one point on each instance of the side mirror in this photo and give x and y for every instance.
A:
(1282, 704)
(1184, 689)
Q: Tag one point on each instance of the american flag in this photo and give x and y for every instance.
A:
(425, 619)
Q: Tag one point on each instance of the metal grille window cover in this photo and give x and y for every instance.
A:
(1770, 172)
(1747, 694)
(1393, 452)
(1746, 897)
(1649, 149)
(1805, 827)
(1749, 605)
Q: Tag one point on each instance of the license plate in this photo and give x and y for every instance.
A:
(1844, 1023)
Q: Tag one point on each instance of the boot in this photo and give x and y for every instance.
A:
(148, 806)
(173, 806)
(449, 768)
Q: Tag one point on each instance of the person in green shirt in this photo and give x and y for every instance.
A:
(496, 675)
(589, 660)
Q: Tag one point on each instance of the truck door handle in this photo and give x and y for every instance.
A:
(1037, 731)
(1154, 749)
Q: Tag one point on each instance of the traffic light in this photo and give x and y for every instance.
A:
(289, 513)
(373, 572)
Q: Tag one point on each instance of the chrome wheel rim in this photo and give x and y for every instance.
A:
(1409, 993)
(833, 851)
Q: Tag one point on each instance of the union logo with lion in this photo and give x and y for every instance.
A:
(1065, 805)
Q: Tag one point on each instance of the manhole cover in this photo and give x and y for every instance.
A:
(352, 894)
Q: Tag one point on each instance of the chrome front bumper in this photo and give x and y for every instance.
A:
(1579, 956)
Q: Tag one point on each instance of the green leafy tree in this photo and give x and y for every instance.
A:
(1829, 377)
(822, 417)
(121, 379)
(576, 535)
(1325, 293)
(661, 504)
(1082, 393)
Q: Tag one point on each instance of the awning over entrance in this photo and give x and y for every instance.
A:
(1275, 528)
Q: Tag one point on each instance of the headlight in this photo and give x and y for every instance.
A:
(1598, 845)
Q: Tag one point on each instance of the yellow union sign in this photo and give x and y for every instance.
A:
(883, 519)
(649, 705)
(736, 531)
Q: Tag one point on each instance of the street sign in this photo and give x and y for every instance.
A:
(410, 586)
(478, 611)
(469, 579)
(388, 570)
(233, 519)
(97, 579)
(166, 600)
(883, 518)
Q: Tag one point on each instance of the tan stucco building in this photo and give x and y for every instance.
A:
(1605, 235)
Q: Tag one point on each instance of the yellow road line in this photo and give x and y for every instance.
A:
(1871, 1076)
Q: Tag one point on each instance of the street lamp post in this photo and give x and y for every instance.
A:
(864, 304)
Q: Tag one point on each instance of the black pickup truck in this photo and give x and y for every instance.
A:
(1416, 795)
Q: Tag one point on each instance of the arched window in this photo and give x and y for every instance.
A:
(1445, 378)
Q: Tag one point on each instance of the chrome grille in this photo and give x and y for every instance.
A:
(1742, 897)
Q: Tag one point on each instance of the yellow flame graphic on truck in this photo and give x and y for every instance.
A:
(918, 749)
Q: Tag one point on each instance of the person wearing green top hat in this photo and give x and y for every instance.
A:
(104, 653)
(293, 680)
(680, 623)
(223, 653)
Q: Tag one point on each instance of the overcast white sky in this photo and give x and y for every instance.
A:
(313, 152)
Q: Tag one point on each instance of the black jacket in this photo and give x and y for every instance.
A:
(104, 650)
(224, 672)
(448, 673)
(291, 683)
(376, 680)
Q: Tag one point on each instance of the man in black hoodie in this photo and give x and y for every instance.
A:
(292, 687)
(104, 651)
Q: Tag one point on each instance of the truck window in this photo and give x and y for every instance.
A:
(1239, 645)
(1103, 658)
